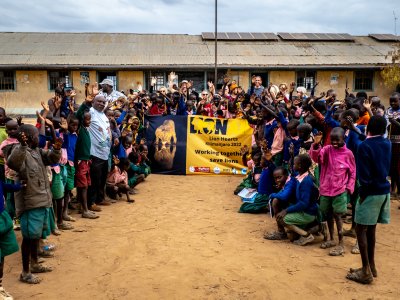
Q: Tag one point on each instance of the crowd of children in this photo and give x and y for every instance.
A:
(311, 157)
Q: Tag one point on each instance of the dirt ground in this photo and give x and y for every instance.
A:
(183, 239)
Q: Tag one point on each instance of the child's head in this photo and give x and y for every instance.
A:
(117, 114)
(110, 114)
(31, 133)
(292, 127)
(257, 158)
(87, 118)
(280, 176)
(395, 101)
(124, 164)
(362, 94)
(2, 115)
(304, 131)
(12, 129)
(133, 157)
(376, 126)
(73, 124)
(143, 149)
(337, 137)
(352, 113)
(302, 163)
(127, 141)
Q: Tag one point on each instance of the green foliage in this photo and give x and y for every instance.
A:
(391, 72)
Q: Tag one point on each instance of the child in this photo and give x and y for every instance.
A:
(5, 148)
(8, 241)
(82, 163)
(117, 179)
(300, 215)
(337, 181)
(144, 161)
(33, 203)
(393, 118)
(3, 135)
(70, 139)
(281, 200)
(134, 176)
(373, 165)
(252, 179)
(264, 187)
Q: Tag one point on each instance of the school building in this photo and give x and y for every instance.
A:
(32, 64)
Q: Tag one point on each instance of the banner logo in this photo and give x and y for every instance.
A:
(200, 125)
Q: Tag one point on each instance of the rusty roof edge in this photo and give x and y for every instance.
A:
(211, 66)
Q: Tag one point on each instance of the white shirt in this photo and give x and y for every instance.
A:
(100, 134)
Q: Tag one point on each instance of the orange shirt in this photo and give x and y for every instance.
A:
(363, 120)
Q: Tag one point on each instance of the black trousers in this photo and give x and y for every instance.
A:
(98, 177)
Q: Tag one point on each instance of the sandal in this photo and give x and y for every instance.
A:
(29, 278)
(56, 232)
(65, 226)
(130, 201)
(328, 244)
(374, 272)
(304, 240)
(355, 249)
(360, 277)
(69, 219)
(337, 251)
(4, 295)
(49, 247)
(45, 254)
(275, 236)
(89, 215)
(40, 269)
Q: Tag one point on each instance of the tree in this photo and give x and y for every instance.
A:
(391, 72)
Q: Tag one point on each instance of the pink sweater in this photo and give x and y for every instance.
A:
(337, 169)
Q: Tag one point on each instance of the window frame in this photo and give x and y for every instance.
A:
(116, 82)
(372, 81)
(58, 70)
(14, 81)
(304, 78)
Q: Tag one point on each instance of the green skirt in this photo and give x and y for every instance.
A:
(261, 204)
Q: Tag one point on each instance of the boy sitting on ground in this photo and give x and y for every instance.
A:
(281, 200)
(299, 216)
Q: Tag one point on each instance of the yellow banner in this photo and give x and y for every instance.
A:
(213, 145)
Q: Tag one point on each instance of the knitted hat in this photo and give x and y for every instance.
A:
(233, 86)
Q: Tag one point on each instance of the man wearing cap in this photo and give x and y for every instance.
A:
(100, 138)
(107, 90)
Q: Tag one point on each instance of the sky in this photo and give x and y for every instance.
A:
(357, 17)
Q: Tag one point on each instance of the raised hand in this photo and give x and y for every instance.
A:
(49, 123)
(64, 124)
(19, 120)
(22, 139)
(115, 160)
(318, 137)
(39, 116)
(367, 104)
(244, 150)
(73, 93)
(45, 106)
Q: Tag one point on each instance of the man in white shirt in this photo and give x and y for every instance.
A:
(100, 138)
(107, 90)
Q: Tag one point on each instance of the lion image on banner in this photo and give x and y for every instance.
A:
(165, 144)
(205, 127)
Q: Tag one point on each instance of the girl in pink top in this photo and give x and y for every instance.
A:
(337, 179)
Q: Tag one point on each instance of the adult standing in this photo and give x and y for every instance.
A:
(100, 138)
(256, 86)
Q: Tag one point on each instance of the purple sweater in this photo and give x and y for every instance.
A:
(337, 169)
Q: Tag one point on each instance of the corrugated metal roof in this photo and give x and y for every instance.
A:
(124, 50)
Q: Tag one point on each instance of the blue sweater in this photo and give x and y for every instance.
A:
(353, 140)
(288, 193)
(69, 144)
(7, 187)
(306, 197)
(373, 165)
(269, 132)
(266, 183)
